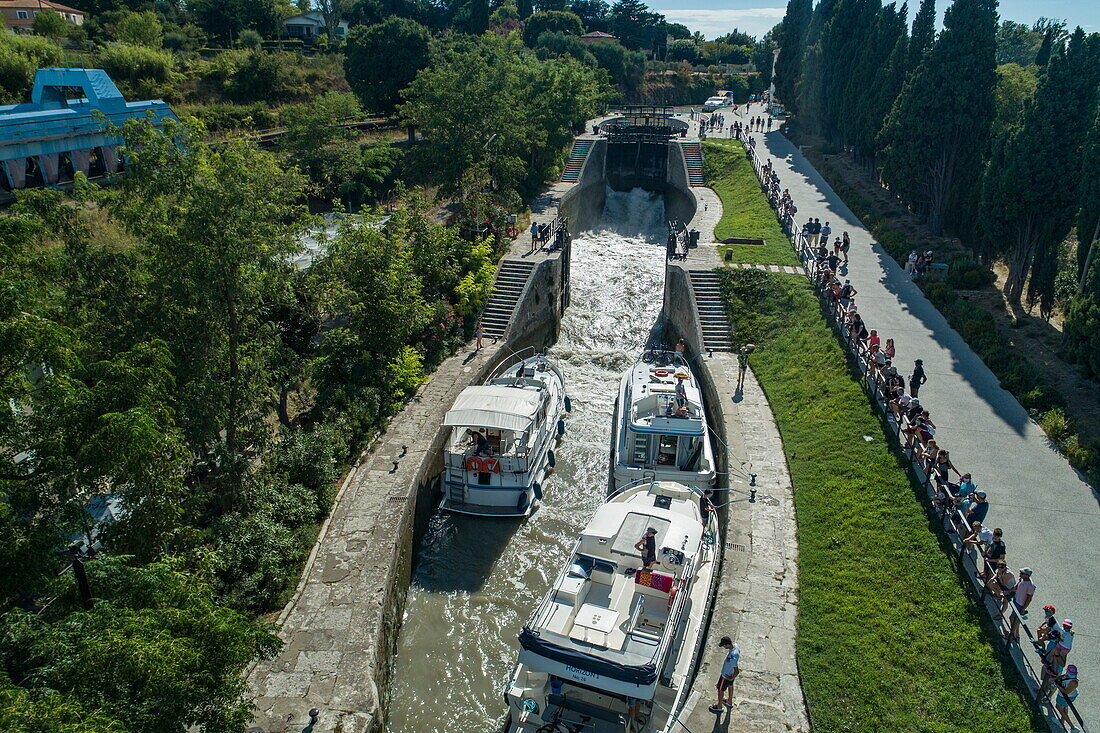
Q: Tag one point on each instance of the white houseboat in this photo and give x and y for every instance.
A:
(613, 646)
(500, 447)
(661, 428)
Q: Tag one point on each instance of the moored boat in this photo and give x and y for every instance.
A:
(613, 645)
(661, 427)
(500, 447)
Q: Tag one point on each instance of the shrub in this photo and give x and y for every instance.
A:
(1056, 425)
(966, 274)
(1041, 398)
(20, 56)
(139, 71)
(225, 116)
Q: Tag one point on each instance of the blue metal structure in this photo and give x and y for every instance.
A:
(61, 124)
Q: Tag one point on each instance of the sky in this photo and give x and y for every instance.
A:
(755, 17)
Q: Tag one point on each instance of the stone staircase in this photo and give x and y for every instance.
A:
(713, 321)
(511, 279)
(693, 157)
(575, 164)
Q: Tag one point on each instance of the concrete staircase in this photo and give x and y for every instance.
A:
(511, 279)
(693, 157)
(712, 311)
(575, 164)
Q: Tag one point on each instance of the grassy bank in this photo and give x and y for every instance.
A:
(745, 211)
(887, 638)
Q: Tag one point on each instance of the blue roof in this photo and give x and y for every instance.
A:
(52, 122)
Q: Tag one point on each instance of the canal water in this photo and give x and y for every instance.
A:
(475, 581)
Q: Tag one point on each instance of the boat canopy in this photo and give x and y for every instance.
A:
(491, 406)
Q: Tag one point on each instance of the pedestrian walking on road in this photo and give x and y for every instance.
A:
(918, 379)
(730, 670)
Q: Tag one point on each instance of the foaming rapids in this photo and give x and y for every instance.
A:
(475, 581)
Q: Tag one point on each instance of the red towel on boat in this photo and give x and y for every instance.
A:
(656, 581)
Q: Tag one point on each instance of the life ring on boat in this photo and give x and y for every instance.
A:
(473, 463)
(490, 465)
(661, 372)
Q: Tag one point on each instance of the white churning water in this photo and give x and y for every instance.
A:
(475, 581)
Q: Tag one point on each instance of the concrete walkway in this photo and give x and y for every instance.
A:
(757, 600)
(1050, 516)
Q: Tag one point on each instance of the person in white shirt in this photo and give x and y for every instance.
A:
(730, 670)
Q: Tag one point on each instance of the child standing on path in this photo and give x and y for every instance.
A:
(730, 671)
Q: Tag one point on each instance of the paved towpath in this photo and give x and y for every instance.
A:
(757, 599)
(1050, 516)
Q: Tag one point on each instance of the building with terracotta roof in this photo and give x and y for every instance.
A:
(20, 13)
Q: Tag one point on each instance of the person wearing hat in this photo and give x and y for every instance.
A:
(648, 547)
(1021, 599)
(1067, 693)
(1048, 627)
(979, 509)
(917, 380)
(730, 670)
(893, 379)
(1064, 644)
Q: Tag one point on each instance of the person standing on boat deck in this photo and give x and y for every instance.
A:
(730, 670)
(648, 547)
(477, 438)
(681, 393)
(680, 346)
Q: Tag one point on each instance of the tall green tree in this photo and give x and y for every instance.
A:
(791, 39)
(883, 60)
(221, 225)
(924, 33)
(1082, 322)
(1088, 216)
(1027, 208)
(1042, 56)
(932, 144)
(381, 60)
(525, 111)
(551, 21)
(635, 25)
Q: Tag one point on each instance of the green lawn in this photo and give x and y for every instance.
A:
(887, 637)
(745, 210)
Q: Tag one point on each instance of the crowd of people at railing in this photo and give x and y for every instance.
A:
(963, 507)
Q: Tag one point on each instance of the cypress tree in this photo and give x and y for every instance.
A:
(924, 32)
(788, 66)
(1028, 204)
(1088, 218)
(1042, 58)
(810, 92)
(885, 64)
(1082, 326)
(931, 145)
